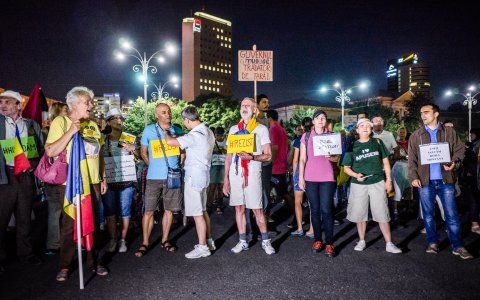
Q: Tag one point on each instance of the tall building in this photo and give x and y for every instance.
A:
(407, 74)
(206, 56)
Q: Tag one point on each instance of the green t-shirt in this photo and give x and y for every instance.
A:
(366, 158)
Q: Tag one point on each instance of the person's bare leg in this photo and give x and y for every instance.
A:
(201, 226)
(385, 228)
(166, 225)
(240, 218)
(147, 225)
(310, 230)
(208, 224)
(298, 209)
(125, 224)
(260, 218)
(361, 228)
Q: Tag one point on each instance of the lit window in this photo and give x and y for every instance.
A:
(229, 46)
(221, 44)
(221, 37)
(221, 30)
(229, 39)
(201, 80)
(218, 36)
(201, 66)
(230, 72)
(218, 90)
(209, 81)
(201, 87)
(209, 67)
(209, 88)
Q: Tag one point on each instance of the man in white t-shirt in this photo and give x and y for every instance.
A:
(386, 136)
(243, 176)
(198, 144)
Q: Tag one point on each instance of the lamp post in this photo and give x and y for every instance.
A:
(160, 94)
(144, 65)
(342, 95)
(469, 101)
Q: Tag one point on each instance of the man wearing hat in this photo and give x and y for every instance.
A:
(17, 191)
(118, 199)
(366, 161)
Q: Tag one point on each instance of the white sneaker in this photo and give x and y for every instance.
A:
(361, 245)
(123, 246)
(240, 246)
(267, 246)
(211, 245)
(112, 247)
(198, 251)
(391, 248)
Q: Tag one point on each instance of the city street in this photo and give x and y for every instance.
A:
(293, 273)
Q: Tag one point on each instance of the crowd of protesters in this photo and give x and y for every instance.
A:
(194, 172)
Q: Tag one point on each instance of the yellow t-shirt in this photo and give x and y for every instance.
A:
(92, 139)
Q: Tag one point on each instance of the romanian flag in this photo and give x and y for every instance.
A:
(77, 192)
(20, 162)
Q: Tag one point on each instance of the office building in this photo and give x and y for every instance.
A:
(407, 74)
(206, 56)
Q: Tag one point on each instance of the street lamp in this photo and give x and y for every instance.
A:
(342, 94)
(144, 65)
(469, 101)
(160, 94)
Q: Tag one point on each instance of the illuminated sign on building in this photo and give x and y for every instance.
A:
(392, 71)
(197, 25)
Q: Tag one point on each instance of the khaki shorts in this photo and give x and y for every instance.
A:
(250, 196)
(195, 200)
(363, 195)
(156, 191)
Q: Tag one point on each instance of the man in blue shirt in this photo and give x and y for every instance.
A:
(156, 186)
(434, 179)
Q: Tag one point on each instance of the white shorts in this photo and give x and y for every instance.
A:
(364, 195)
(251, 195)
(195, 200)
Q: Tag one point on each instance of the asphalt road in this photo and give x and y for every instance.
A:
(293, 273)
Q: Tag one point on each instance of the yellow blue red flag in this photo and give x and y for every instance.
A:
(77, 192)
(20, 160)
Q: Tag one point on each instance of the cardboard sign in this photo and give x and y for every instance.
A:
(255, 65)
(126, 138)
(120, 168)
(327, 144)
(434, 153)
(218, 159)
(28, 145)
(157, 149)
(237, 143)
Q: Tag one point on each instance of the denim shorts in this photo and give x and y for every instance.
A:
(118, 202)
(296, 178)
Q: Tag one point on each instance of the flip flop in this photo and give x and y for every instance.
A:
(168, 246)
(141, 252)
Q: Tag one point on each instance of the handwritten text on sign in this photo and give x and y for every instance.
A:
(126, 138)
(120, 168)
(327, 144)
(255, 65)
(241, 142)
(157, 149)
(28, 145)
(434, 153)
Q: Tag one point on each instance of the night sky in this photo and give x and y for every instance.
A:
(60, 44)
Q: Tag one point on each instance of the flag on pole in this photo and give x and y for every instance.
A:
(20, 160)
(36, 107)
(77, 192)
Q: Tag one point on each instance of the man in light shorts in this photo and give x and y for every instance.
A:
(198, 144)
(243, 175)
(366, 161)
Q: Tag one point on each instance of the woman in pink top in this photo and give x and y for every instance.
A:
(317, 179)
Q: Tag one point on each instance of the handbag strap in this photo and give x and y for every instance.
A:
(163, 148)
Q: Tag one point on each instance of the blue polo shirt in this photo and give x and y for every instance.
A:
(157, 168)
(435, 169)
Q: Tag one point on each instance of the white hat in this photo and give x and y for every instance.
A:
(113, 112)
(12, 94)
(364, 120)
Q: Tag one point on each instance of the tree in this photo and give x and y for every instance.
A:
(218, 111)
(412, 119)
(297, 118)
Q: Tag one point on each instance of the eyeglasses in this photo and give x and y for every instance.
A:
(116, 118)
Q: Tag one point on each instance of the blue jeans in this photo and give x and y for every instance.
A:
(320, 196)
(118, 202)
(446, 192)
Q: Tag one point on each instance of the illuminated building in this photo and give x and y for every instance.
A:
(407, 74)
(206, 56)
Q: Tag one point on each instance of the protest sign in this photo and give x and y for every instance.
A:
(255, 65)
(327, 144)
(120, 168)
(157, 149)
(434, 153)
(241, 142)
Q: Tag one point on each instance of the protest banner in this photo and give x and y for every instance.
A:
(255, 65)
(434, 153)
(157, 149)
(120, 168)
(241, 142)
(28, 145)
(327, 144)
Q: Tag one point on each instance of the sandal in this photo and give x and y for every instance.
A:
(142, 250)
(168, 246)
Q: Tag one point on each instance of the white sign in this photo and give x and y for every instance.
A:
(349, 119)
(120, 168)
(434, 153)
(327, 144)
(255, 65)
(218, 159)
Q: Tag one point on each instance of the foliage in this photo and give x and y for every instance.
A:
(412, 119)
(218, 111)
(297, 118)
(373, 110)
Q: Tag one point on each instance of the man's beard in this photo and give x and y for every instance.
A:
(246, 114)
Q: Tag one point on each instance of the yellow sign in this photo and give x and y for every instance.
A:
(127, 138)
(241, 142)
(157, 149)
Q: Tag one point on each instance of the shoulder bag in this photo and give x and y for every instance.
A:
(174, 176)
